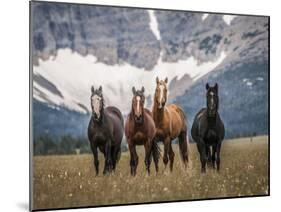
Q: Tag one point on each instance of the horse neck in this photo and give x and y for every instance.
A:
(158, 114)
(101, 119)
(212, 120)
(131, 114)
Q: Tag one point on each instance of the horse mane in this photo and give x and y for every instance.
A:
(131, 114)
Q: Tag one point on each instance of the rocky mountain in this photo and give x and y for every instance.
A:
(243, 40)
(112, 35)
(76, 46)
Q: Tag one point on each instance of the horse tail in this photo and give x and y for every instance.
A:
(183, 139)
(156, 151)
(183, 146)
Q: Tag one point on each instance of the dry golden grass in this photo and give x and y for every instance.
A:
(70, 181)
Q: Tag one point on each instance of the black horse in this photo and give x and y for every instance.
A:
(105, 131)
(208, 130)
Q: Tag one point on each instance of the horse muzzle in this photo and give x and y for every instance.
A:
(161, 105)
(138, 119)
(95, 116)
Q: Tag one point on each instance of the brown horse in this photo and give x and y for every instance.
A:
(140, 130)
(170, 124)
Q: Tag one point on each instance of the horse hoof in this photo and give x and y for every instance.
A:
(133, 173)
(166, 172)
(106, 173)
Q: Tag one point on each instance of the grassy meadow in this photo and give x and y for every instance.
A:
(70, 181)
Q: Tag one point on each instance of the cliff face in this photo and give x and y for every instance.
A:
(188, 34)
(118, 35)
(112, 35)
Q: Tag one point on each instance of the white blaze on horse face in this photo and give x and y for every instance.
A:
(161, 87)
(138, 105)
(96, 103)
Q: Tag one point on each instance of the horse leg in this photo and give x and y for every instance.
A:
(96, 159)
(218, 156)
(105, 167)
(208, 153)
(117, 154)
(202, 151)
(147, 161)
(131, 157)
(113, 157)
(171, 156)
(134, 159)
(166, 150)
(108, 161)
(214, 150)
(155, 158)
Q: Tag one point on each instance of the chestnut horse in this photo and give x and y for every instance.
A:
(170, 124)
(140, 130)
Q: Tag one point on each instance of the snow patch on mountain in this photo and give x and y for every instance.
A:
(73, 75)
(154, 24)
(204, 16)
(228, 18)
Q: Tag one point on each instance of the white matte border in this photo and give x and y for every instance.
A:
(15, 105)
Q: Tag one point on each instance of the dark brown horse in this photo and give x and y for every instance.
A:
(170, 124)
(140, 130)
(105, 131)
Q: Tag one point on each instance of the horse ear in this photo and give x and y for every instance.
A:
(100, 88)
(157, 80)
(166, 79)
(134, 90)
(142, 89)
(207, 86)
(92, 89)
(216, 87)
